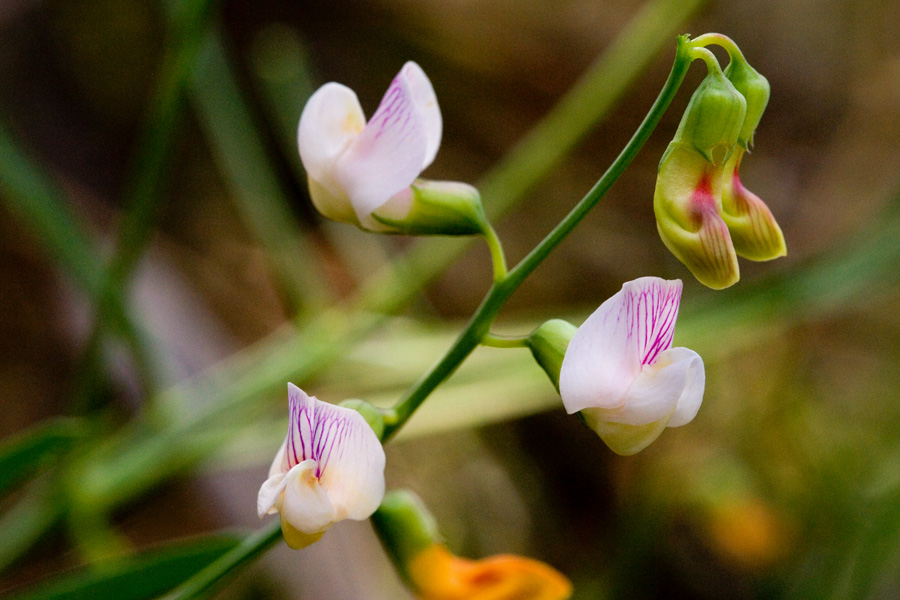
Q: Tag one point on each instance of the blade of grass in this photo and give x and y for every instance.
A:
(141, 577)
(143, 198)
(24, 454)
(242, 156)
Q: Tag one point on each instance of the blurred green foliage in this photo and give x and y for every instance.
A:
(150, 192)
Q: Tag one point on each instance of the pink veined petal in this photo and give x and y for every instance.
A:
(351, 463)
(426, 101)
(611, 347)
(331, 120)
(388, 155)
(659, 388)
(692, 394)
(299, 445)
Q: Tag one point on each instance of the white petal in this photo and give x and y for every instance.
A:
(658, 390)
(692, 395)
(388, 155)
(279, 463)
(427, 104)
(621, 438)
(269, 494)
(351, 462)
(609, 350)
(331, 119)
(306, 505)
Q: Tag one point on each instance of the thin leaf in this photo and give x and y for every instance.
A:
(246, 164)
(141, 577)
(25, 453)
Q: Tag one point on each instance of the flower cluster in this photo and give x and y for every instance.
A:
(619, 371)
(704, 214)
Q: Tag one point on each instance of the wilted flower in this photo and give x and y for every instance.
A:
(330, 467)
(704, 214)
(439, 575)
(409, 533)
(754, 231)
(366, 174)
(621, 372)
(688, 196)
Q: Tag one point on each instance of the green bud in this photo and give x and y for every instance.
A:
(548, 345)
(405, 526)
(713, 119)
(435, 208)
(371, 414)
(755, 90)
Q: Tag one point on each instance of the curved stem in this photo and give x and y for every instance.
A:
(720, 39)
(479, 325)
(504, 342)
(676, 76)
(708, 57)
(497, 256)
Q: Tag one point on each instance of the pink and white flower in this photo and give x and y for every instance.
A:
(356, 169)
(622, 373)
(330, 467)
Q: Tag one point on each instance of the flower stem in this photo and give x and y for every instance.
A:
(252, 546)
(497, 255)
(504, 342)
(477, 331)
(720, 39)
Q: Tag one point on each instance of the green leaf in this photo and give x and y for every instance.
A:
(143, 576)
(25, 453)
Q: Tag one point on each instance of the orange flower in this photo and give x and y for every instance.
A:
(439, 575)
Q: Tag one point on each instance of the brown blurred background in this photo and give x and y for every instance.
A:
(765, 492)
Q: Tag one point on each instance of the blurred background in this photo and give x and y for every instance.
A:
(160, 139)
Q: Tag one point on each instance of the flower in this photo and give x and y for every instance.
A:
(621, 372)
(330, 467)
(437, 574)
(366, 174)
(754, 231)
(688, 207)
(409, 534)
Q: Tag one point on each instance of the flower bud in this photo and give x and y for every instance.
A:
(548, 345)
(405, 526)
(714, 117)
(433, 208)
(687, 203)
(754, 231)
(755, 90)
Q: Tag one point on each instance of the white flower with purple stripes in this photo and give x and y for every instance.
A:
(357, 169)
(621, 372)
(330, 467)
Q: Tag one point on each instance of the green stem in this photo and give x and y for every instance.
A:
(504, 342)
(479, 325)
(497, 256)
(720, 39)
(251, 547)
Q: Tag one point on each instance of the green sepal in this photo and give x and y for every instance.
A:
(548, 344)
(405, 527)
(755, 89)
(370, 413)
(713, 119)
(436, 208)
